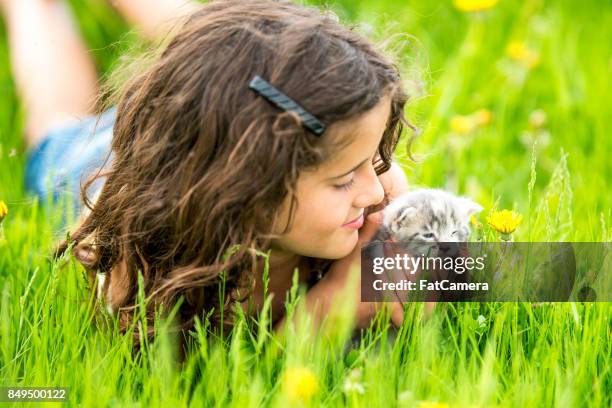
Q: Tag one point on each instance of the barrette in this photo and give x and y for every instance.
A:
(282, 101)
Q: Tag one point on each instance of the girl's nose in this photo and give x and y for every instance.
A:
(371, 192)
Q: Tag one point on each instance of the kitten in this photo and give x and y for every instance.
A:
(431, 222)
(428, 220)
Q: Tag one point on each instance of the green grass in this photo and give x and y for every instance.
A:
(520, 355)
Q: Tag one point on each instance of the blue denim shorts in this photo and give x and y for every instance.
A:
(67, 155)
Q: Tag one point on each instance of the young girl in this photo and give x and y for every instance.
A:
(262, 126)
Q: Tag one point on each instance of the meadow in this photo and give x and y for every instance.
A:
(512, 106)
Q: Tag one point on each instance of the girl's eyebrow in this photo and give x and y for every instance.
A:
(350, 171)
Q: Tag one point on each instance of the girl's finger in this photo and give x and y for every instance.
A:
(370, 227)
(397, 314)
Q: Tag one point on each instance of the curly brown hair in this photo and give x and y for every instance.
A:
(202, 164)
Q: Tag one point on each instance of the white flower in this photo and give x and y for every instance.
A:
(352, 382)
(350, 386)
(405, 395)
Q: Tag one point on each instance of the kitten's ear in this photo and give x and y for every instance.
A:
(469, 206)
(404, 215)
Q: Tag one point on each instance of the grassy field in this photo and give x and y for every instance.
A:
(512, 103)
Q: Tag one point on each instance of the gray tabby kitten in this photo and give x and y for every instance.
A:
(428, 220)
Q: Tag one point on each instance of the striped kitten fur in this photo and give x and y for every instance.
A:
(427, 217)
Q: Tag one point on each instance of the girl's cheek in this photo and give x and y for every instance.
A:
(342, 200)
(335, 207)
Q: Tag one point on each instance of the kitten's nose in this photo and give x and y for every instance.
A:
(448, 248)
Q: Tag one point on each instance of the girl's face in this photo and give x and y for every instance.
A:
(332, 198)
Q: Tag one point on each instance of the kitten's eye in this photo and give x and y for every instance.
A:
(454, 233)
(429, 235)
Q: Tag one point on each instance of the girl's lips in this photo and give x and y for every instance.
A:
(356, 223)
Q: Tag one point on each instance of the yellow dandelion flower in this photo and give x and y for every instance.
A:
(3, 210)
(462, 124)
(504, 221)
(519, 51)
(432, 404)
(482, 117)
(300, 384)
(474, 5)
(466, 124)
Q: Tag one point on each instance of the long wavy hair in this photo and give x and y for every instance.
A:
(202, 164)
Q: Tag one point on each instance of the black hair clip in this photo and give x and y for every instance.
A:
(282, 101)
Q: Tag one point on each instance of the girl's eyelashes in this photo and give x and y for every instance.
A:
(351, 182)
(346, 186)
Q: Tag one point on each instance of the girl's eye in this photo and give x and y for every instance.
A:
(346, 186)
(429, 235)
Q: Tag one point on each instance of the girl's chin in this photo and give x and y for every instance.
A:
(336, 248)
(346, 246)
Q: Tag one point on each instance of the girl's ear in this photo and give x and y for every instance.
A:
(469, 206)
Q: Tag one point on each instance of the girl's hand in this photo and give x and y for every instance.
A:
(394, 181)
(345, 268)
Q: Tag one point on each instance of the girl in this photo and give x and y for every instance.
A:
(262, 126)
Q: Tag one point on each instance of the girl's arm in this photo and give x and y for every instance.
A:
(319, 298)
